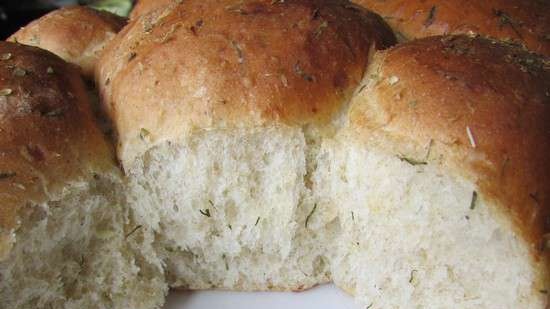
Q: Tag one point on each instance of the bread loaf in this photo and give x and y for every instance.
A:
(218, 109)
(76, 33)
(523, 22)
(143, 7)
(260, 172)
(63, 218)
(276, 145)
(441, 179)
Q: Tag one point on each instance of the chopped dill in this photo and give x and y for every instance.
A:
(431, 17)
(144, 133)
(311, 213)
(224, 257)
(205, 212)
(474, 200)
(133, 231)
(411, 161)
(411, 278)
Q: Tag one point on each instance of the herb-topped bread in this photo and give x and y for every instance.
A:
(521, 22)
(441, 180)
(63, 217)
(77, 34)
(144, 7)
(219, 110)
(276, 145)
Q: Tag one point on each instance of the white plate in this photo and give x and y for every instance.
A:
(322, 297)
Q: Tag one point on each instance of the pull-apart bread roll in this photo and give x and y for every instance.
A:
(219, 109)
(277, 145)
(77, 34)
(249, 156)
(64, 230)
(519, 21)
(441, 178)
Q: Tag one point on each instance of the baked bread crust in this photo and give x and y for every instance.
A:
(143, 7)
(525, 22)
(49, 136)
(476, 106)
(205, 65)
(76, 33)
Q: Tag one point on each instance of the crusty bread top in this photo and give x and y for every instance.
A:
(143, 7)
(206, 64)
(47, 134)
(476, 105)
(526, 22)
(77, 34)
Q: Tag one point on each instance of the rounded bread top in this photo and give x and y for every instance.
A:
(524, 22)
(476, 106)
(77, 34)
(216, 64)
(143, 7)
(48, 137)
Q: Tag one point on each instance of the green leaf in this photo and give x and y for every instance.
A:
(118, 7)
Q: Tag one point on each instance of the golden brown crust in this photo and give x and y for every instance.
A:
(77, 34)
(525, 22)
(143, 7)
(234, 63)
(48, 137)
(478, 106)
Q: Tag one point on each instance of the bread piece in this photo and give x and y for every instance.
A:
(76, 33)
(524, 22)
(441, 179)
(219, 107)
(67, 239)
(143, 7)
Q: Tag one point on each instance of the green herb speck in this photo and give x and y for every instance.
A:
(411, 278)
(133, 231)
(474, 200)
(144, 133)
(310, 214)
(411, 161)
(205, 212)
(431, 17)
(224, 257)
